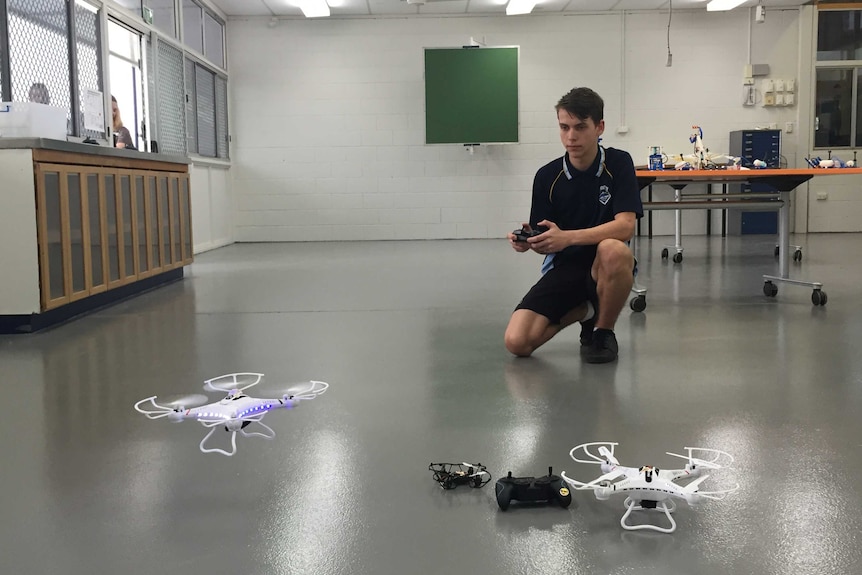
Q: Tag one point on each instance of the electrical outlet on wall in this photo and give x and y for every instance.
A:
(769, 99)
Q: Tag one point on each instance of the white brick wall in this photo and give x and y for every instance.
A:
(328, 115)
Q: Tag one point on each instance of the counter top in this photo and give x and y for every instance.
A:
(64, 146)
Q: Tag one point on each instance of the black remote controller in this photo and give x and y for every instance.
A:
(522, 234)
(550, 488)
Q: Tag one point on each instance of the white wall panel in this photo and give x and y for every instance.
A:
(329, 115)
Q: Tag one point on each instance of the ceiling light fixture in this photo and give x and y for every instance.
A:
(719, 5)
(314, 8)
(515, 7)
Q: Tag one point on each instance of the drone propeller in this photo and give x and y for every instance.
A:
(717, 461)
(231, 381)
(296, 391)
(170, 404)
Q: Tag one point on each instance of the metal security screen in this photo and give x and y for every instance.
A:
(191, 119)
(170, 97)
(221, 118)
(4, 56)
(205, 91)
(39, 52)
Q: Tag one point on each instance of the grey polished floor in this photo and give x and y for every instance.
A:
(409, 336)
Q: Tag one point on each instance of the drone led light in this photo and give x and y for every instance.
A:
(721, 5)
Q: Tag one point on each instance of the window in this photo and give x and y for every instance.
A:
(838, 90)
(133, 6)
(214, 40)
(127, 82)
(839, 35)
(206, 111)
(193, 26)
(164, 16)
(203, 32)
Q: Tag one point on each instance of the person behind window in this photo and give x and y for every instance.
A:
(123, 137)
(39, 94)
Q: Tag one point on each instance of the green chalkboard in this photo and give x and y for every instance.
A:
(471, 95)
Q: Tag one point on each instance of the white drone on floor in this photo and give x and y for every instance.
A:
(235, 412)
(650, 488)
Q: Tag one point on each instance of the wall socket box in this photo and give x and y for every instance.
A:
(769, 99)
(788, 127)
(789, 100)
(779, 99)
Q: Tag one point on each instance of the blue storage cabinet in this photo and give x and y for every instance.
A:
(753, 145)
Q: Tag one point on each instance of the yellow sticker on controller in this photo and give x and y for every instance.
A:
(564, 491)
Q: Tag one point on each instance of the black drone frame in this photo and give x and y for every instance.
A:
(451, 475)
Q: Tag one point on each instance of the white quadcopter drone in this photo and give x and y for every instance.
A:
(235, 412)
(650, 488)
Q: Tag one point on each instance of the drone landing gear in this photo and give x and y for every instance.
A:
(266, 432)
(648, 505)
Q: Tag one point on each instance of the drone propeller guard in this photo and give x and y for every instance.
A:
(233, 381)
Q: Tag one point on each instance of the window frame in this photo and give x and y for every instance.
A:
(855, 66)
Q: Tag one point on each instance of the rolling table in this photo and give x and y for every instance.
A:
(784, 182)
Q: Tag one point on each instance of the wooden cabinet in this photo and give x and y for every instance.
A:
(85, 226)
(100, 228)
(103, 226)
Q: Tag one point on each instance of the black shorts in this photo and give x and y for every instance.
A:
(563, 288)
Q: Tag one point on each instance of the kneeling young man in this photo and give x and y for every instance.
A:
(587, 203)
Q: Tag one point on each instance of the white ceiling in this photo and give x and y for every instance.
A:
(289, 8)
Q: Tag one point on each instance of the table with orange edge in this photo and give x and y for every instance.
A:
(783, 181)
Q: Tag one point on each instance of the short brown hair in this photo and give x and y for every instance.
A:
(583, 103)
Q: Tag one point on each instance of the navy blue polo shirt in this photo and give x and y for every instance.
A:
(576, 200)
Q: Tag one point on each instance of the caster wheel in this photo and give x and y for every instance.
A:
(818, 297)
(797, 256)
(638, 303)
(677, 258)
(664, 254)
(771, 290)
(777, 251)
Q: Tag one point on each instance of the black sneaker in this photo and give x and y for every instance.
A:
(588, 326)
(604, 348)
